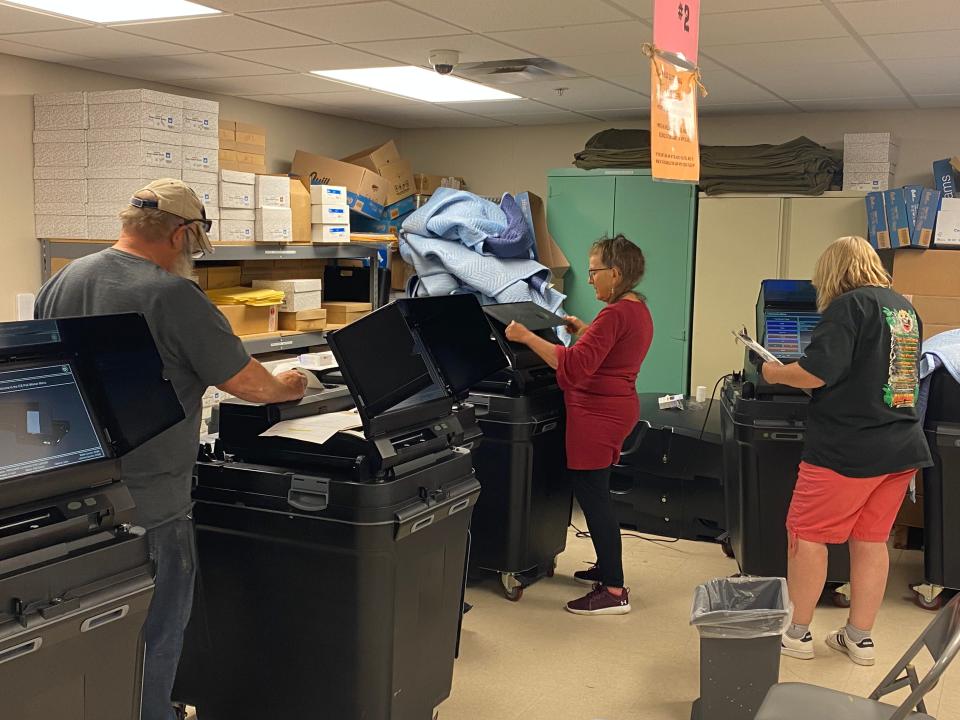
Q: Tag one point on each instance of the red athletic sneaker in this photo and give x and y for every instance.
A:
(601, 601)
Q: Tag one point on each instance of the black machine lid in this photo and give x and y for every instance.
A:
(78, 390)
(415, 351)
(787, 293)
(529, 314)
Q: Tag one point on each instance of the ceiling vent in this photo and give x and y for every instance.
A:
(509, 72)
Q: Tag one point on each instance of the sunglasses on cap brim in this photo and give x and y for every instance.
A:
(207, 225)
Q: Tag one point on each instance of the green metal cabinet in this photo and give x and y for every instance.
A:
(585, 205)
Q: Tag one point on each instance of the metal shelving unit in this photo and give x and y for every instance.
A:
(73, 249)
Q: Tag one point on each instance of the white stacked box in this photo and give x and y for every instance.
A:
(201, 117)
(236, 196)
(237, 224)
(110, 151)
(329, 214)
(60, 162)
(201, 152)
(115, 109)
(869, 161)
(274, 217)
(208, 190)
(273, 191)
(298, 294)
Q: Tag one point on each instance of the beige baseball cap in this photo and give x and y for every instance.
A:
(178, 198)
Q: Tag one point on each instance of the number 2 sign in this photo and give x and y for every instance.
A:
(676, 27)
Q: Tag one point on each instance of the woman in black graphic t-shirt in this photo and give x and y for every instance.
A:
(864, 442)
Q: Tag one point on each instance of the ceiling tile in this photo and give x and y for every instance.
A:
(267, 84)
(494, 15)
(557, 118)
(602, 65)
(923, 77)
(762, 108)
(637, 83)
(314, 57)
(581, 94)
(358, 23)
(218, 33)
(503, 108)
(367, 99)
(294, 101)
(743, 57)
(98, 42)
(908, 46)
(823, 81)
(637, 113)
(712, 7)
(799, 23)
(582, 40)
(727, 88)
(182, 67)
(251, 5)
(874, 17)
(938, 101)
(36, 53)
(856, 104)
(17, 20)
(472, 48)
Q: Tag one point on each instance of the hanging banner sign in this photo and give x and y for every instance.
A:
(674, 82)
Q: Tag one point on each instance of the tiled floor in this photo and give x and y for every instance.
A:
(534, 661)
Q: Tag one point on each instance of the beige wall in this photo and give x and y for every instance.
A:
(20, 78)
(496, 160)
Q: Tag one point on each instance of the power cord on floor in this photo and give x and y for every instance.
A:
(635, 536)
(710, 406)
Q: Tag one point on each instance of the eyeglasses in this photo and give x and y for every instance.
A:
(206, 224)
(592, 272)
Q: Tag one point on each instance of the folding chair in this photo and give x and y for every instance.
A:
(797, 701)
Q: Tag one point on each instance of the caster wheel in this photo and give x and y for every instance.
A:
(513, 595)
(933, 605)
(727, 548)
(840, 600)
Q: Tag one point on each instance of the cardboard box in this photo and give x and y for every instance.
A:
(59, 173)
(199, 276)
(133, 172)
(400, 209)
(223, 276)
(548, 252)
(398, 176)
(250, 128)
(299, 301)
(201, 104)
(343, 313)
(307, 320)
(130, 153)
(912, 195)
(116, 191)
(209, 195)
(290, 286)
(237, 231)
(898, 218)
(59, 136)
(273, 191)
(201, 122)
(375, 158)
(874, 153)
(248, 158)
(927, 272)
(881, 168)
(236, 196)
(60, 154)
(103, 227)
(139, 95)
(227, 158)
(330, 233)
(330, 215)
(60, 227)
(400, 273)
(932, 330)
(60, 191)
(200, 159)
(867, 182)
(877, 233)
(366, 191)
(300, 211)
(945, 176)
(238, 214)
(136, 115)
(361, 224)
(926, 219)
(201, 177)
(64, 98)
(247, 320)
(61, 208)
(429, 184)
(247, 168)
(58, 264)
(868, 139)
(238, 178)
(227, 134)
(935, 310)
(274, 225)
(328, 195)
(60, 117)
(947, 231)
(228, 124)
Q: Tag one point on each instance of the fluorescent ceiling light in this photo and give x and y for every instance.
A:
(417, 83)
(111, 11)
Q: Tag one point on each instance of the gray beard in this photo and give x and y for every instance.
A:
(184, 264)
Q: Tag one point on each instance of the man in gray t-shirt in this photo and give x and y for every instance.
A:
(147, 271)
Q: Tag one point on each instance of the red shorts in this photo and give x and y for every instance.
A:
(828, 507)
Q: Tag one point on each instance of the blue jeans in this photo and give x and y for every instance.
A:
(174, 553)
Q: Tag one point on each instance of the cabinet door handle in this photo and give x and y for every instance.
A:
(104, 619)
(19, 651)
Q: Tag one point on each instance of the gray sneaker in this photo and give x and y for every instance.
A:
(862, 653)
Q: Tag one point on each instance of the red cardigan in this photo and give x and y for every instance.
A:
(598, 375)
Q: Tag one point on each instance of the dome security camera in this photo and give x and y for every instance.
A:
(444, 61)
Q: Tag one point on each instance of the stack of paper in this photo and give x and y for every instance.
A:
(255, 297)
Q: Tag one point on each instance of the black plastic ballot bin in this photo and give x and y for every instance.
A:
(521, 519)
(740, 621)
(76, 579)
(331, 576)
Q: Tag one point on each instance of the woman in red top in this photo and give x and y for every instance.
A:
(598, 375)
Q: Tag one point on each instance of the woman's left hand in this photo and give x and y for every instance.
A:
(517, 332)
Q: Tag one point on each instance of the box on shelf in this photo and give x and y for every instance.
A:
(61, 227)
(233, 195)
(867, 182)
(303, 321)
(947, 231)
(103, 227)
(361, 224)
(238, 178)
(200, 159)
(548, 252)
(912, 195)
(60, 191)
(300, 211)
(248, 214)
(877, 233)
(117, 191)
(274, 224)
(375, 158)
(930, 331)
(272, 191)
(290, 286)
(330, 233)
(59, 173)
(296, 300)
(199, 276)
(328, 195)
(202, 122)
(65, 154)
(366, 191)
(256, 159)
(880, 168)
(146, 173)
(429, 184)
(209, 195)
(133, 153)
(60, 111)
(945, 176)
(236, 231)
(59, 208)
(935, 310)
(223, 276)
(249, 320)
(344, 313)
(249, 134)
(927, 272)
(136, 115)
(898, 217)
(213, 234)
(400, 273)
(399, 180)
(401, 208)
(926, 220)
(330, 215)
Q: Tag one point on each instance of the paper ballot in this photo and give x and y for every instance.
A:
(312, 380)
(316, 428)
(752, 344)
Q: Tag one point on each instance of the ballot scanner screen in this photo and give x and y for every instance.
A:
(787, 332)
(44, 421)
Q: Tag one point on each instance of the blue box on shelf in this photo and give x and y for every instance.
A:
(364, 206)
(898, 218)
(945, 177)
(911, 195)
(925, 225)
(400, 209)
(365, 224)
(877, 232)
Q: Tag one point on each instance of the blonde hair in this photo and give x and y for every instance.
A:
(148, 223)
(847, 264)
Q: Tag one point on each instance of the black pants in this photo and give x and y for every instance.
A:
(592, 488)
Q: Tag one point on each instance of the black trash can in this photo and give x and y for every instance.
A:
(741, 621)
